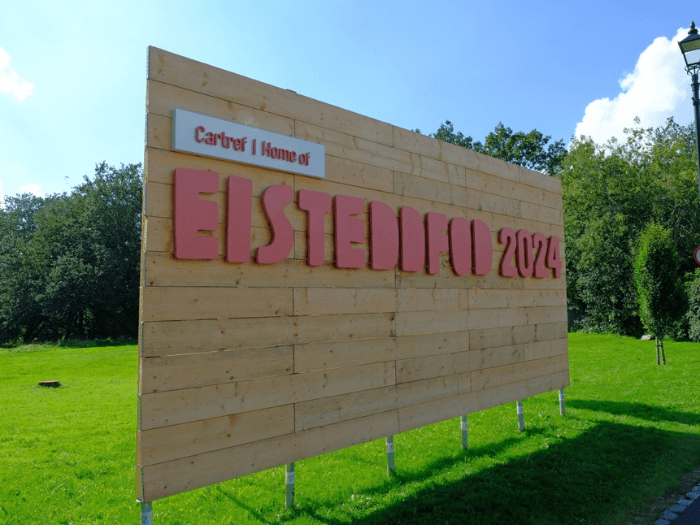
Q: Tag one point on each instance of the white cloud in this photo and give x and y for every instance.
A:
(10, 81)
(32, 188)
(2, 194)
(658, 88)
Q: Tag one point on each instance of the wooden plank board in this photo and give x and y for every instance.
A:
(161, 374)
(176, 70)
(338, 354)
(181, 303)
(424, 345)
(182, 406)
(189, 439)
(414, 323)
(328, 301)
(416, 416)
(179, 475)
(162, 269)
(199, 336)
(344, 407)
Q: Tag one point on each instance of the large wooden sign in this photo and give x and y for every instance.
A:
(314, 279)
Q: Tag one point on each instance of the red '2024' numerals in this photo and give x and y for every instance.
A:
(533, 253)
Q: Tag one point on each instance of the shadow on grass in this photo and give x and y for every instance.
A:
(638, 410)
(581, 480)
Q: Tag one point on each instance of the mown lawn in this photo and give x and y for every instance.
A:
(67, 454)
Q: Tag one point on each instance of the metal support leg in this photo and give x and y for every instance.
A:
(562, 403)
(390, 454)
(521, 419)
(146, 513)
(289, 482)
(463, 424)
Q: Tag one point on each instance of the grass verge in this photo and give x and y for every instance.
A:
(631, 429)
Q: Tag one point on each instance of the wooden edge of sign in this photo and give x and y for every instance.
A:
(178, 71)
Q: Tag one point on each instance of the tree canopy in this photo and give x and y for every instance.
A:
(69, 263)
(531, 150)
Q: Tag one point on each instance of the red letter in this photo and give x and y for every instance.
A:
(553, 260)
(523, 252)
(507, 236)
(460, 245)
(412, 240)
(316, 205)
(274, 199)
(483, 247)
(539, 243)
(240, 198)
(349, 230)
(437, 223)
(196, 133)
(243, 140)
(384, 236)
(191, 214)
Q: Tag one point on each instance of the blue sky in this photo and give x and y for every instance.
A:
(73, 74)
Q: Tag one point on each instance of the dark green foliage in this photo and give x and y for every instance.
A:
(662, 299)
(611, 193)
(693, 314)
(530, 150)
(69, 263)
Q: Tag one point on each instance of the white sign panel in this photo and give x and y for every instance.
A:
(213, 137)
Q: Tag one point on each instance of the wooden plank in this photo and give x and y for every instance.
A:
(539, 180)
(548, 331)
(193, 404)
(161, 374)
(538, 213)
(493, 185)
(357, 174)
(501, 317)
(173, 477)
(162, 269)
(424, 345)
(480, 298)
(189, 439)
(432, 412)
(163, 98)
(504, 375)
(501, 336)
(435, 169)
(159, 238)
(329, 301)
(543, 349)
(419, 300)
(413, 323)
(334, 409)
(177, 303)
(424, 188)
(496, 204)
(420, 368)
(338, 354)
(182, 72)
(185, 337)
(162, 164)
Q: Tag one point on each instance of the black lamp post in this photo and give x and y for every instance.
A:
(690, 47)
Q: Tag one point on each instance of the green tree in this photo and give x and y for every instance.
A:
(662, 299)
(69, 263)
(611, 193)
(531, 150)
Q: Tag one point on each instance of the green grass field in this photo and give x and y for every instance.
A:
(632, 427)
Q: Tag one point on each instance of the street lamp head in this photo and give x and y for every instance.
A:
(690, 47)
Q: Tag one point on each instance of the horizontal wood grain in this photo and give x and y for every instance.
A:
(181, 406)
(179, 475)
(188, 439)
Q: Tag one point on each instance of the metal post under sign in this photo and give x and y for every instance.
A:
(521, 418)
(463, 425)
(289, 483)
(562, 404)
(390, 454)
(146, 513)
